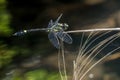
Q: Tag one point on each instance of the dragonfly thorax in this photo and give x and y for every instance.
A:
(58, 27)
(65, 26)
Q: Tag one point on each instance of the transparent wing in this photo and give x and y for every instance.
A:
(53, 39)
(50, 24)
(56, 22)
(64, 37)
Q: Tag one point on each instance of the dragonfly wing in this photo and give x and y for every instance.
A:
(56, 22)
(64, 37)
(50, 24)
(53, 39)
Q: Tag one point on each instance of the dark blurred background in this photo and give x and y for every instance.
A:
(33, 50)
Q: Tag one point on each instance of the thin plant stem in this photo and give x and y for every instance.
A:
(74, 70)
(63, 57)
(59, 66)
(82, 49)
(80, 54)
(90, 30)
(98, 62)
(83, 46)
(86, 47)
(102, 43)
(91, 43)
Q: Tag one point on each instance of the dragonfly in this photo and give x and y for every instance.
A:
(56, 32)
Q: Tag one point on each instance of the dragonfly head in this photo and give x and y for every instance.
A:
(65, 26)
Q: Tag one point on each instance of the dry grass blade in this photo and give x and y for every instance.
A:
(80, 65)
(82, 53)
(96, 51)
(88, 52)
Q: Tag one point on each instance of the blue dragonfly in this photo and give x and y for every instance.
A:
(55, 30)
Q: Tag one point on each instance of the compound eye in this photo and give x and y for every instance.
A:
(66, 25)
(60, 24)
